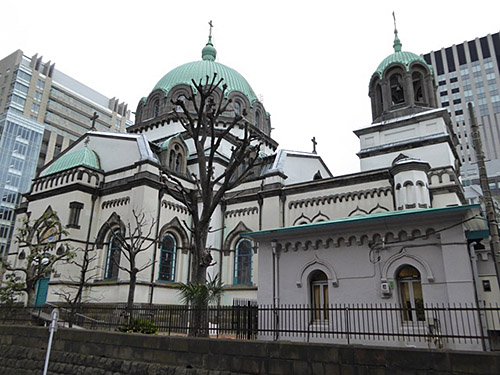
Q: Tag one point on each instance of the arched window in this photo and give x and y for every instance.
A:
(397, 93)
(412, 299)
(257, 119)
(379, 98)
(418, 87)
(319, 295)
(237, 108)
(167, 258)
(171, 160)
(243, 262)
(113, 257)
(181, 98)
(178, 162)
(156, 108)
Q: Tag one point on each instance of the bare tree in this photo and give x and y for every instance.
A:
(136, 240)
(201, 117)
(39, 239)
(72, 292)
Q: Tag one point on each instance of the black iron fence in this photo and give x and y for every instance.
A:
(432, 325)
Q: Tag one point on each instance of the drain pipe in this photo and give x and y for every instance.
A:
(480, 304)
(155, 247)
(276, 298)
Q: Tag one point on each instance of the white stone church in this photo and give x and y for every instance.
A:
(397, 231)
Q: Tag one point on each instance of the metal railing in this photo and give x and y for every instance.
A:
(430, 325)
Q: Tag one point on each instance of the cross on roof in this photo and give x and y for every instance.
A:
(211, 25)
(94, 117)
(313, 140)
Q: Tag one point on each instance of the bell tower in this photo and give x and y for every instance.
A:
(403, 84)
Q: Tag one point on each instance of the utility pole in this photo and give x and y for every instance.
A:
(485, 187)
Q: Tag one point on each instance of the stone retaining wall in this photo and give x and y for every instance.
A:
(22, 351)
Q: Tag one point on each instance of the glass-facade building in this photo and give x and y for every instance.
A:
(20, 140)
(42, 112)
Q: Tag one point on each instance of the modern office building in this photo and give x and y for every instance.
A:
(469, 72)
(42, 111)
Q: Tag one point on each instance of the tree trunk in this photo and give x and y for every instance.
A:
(131, 292)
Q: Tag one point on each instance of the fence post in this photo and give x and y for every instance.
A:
(347, 324)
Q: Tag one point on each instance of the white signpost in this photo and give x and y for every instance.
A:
(52, 328)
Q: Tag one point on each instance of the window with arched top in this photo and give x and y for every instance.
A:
(113, 255)
(181, 98)
(418, 87)
(319, 295)
(257, 119)
(397, 91)
(243, 262)
(379, 99)
(412, 298)
(237, 107)
(156, 107)
(176, 158)
(168, 248)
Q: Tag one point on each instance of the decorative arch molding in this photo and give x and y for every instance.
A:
(397, 260)
(317, 264)
(357, 212)
(302, 219)
(234, 235)
(175, 226)
(319, 217)
(174, 206)
(115, 202)
(114, 221)
(242, 211)
(378, 208)
(342, 197)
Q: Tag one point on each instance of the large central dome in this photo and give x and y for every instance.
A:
(201, 69)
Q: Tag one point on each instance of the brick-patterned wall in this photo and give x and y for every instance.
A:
(22, 351)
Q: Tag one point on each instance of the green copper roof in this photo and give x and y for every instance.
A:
(400, 57)
(201, 69)
(82, 157)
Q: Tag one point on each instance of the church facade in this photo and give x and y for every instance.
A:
(399, 223)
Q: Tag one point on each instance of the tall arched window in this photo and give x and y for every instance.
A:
(379, 98)
(257, 119)
(237, 107)
(167, 258)
(412, 299)
(113, 257)
(418, 86)
(397, 93)
(319, 295)
(156, 107)
(181, 98)
(243, 262)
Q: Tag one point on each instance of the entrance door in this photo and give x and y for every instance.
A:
(42, 288)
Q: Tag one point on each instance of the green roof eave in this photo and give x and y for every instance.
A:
(391, 215)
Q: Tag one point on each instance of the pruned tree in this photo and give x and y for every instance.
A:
(39, 251)
(201, 117)
(135, 240)
(72, 291)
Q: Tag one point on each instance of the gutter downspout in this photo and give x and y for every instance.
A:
(94, 198)
(480, 304)
(276, 298)
(155, 248)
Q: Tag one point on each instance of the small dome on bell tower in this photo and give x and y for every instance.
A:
(402, 84)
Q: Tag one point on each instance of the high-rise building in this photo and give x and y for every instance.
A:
(469, 72)
(42, 111)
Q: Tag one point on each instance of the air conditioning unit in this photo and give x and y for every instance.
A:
(385, 288)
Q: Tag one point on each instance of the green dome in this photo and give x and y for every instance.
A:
(201, 69)
(82, 157)
(400, 57)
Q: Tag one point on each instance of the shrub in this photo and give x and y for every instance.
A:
(138, 325)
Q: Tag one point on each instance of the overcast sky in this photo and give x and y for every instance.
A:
(310, 61)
